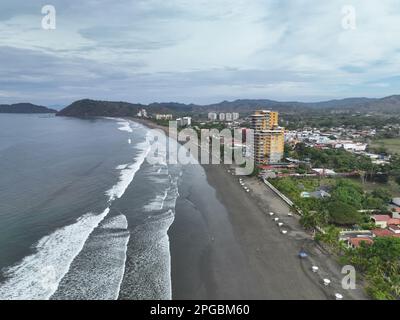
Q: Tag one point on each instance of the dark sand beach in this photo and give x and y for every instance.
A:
(224, 245)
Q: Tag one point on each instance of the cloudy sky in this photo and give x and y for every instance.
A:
(198, 51)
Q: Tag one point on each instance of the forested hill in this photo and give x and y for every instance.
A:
(24, 108)
(88, 107)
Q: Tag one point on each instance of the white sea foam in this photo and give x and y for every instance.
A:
(98, 271)
(125, 126)
(122, 166)
(37, 276)
(128, 173)
(157, 203)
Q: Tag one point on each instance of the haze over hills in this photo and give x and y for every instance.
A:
(89, 107)
(24, 108)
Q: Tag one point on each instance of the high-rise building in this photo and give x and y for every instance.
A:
(212, 116)
(222, 117)
(228, 117)
(235, 116)
(269, 138)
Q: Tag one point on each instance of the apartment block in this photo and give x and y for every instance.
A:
(269, 138)
(163, 116)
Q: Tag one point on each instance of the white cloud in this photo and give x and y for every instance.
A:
(299, 46)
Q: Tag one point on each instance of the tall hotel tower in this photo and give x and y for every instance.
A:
(269, 138)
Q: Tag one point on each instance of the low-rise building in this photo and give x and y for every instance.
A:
(381, 220)
(163, 116)
(356, 242)
(395, 229)
(185, 121)
(382, 233)
(396, 201)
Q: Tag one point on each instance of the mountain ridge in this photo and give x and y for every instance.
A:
(88, 107)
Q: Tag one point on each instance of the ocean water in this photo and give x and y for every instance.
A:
(83, 215)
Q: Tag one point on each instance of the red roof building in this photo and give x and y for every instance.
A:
(356, 242)
(395, 229)
(383, 233)
(394, 222)
(381, 217)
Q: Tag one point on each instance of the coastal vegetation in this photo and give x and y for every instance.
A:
(341, 208)
(336, 159)
(380, 265)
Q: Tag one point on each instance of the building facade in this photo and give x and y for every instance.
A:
(185, 121)
(163, 116)
(212, 116)
(269, 138)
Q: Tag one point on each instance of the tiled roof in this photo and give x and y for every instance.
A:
(357, 241)
(381, 217)
(382, 233)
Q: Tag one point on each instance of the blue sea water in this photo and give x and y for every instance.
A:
(83, 215)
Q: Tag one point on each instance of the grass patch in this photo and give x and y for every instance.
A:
(391, 145)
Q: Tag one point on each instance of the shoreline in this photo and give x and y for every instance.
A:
(224, 245)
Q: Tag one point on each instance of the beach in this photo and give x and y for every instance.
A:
(224, 244)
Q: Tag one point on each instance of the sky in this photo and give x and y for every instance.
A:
(197, 51)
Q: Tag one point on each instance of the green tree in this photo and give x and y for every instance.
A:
(383, 194)
(348, 192)
(342, 213)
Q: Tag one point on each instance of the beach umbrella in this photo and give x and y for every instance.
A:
(280, 224)
(284, 231)
(315, 269)
(327, 282)
(338, 296)
(271, 213)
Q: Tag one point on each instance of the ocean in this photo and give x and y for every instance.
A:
(83, 215)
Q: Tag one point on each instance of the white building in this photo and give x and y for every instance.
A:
(212, 116)
(235, 116)
(222, 117)
(351, 146)
(142, 113)
(228, 117)
(163, 116)
(185, 121)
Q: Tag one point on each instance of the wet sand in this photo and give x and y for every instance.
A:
(223, 246)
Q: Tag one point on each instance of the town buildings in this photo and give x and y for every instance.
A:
(212, 116)
(268, 137)
(185, 121)
(163, 116)
(142, 113)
